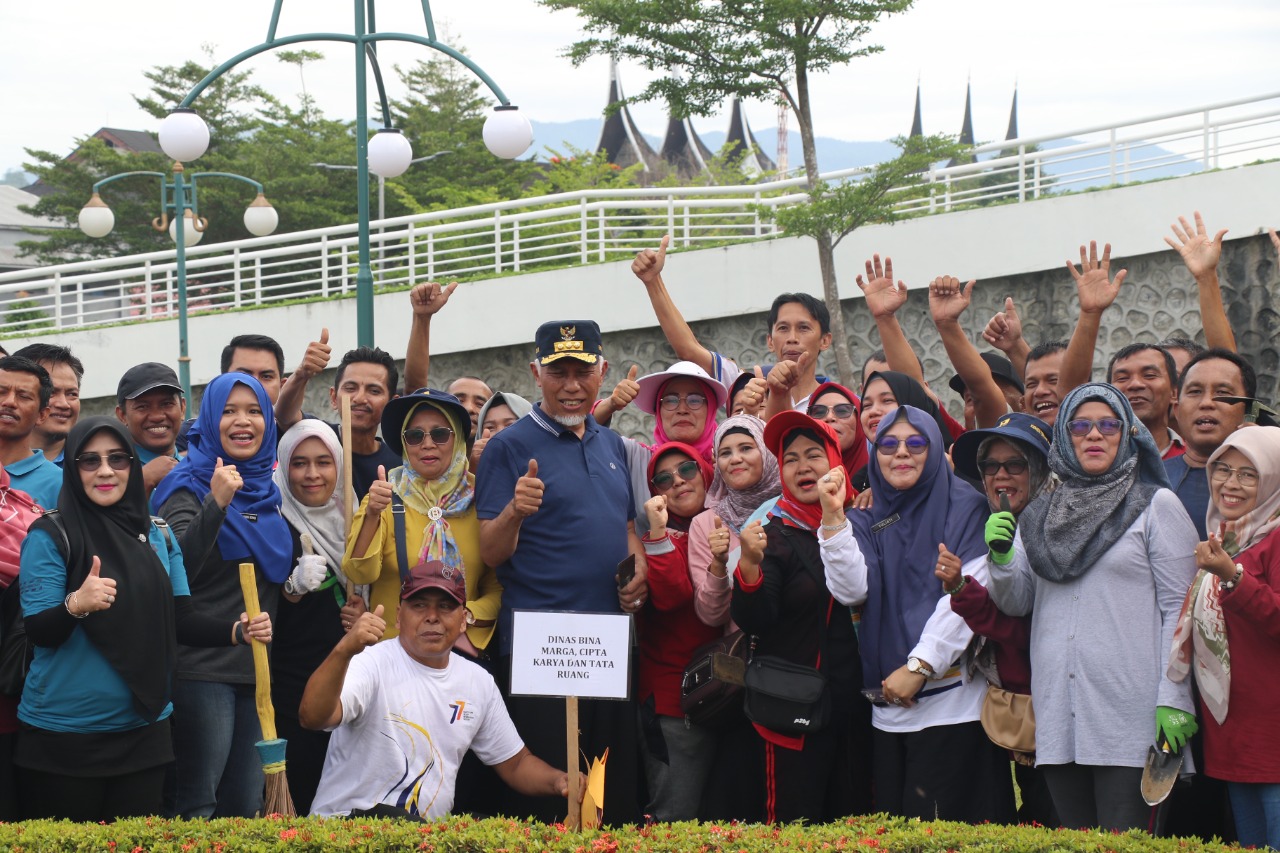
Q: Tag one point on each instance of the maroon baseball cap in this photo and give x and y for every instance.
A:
(433, 574)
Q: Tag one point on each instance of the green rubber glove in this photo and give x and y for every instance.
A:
(1174, 726)
(999, 536)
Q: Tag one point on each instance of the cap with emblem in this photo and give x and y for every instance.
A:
(433, 574)
(578, 339)
(145, 377)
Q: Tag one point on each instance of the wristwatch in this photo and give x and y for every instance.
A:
(919, 667)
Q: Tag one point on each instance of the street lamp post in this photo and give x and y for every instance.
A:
(178, 198)
(507, 132)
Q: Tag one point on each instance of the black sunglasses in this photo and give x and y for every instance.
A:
(842, 410)
(686, 470)
(414, 437)
(991, 467)
(117, 461)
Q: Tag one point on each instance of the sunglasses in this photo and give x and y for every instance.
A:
(1220, 472)
(671, 402)
(991, 467)
(116, 461)
(686, 470)
(1106, 426)
(414, 437)
(916, 444)
(842, 410)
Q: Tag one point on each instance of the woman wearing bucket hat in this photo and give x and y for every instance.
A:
(431, 431)
(683, 400)
(1106, 559)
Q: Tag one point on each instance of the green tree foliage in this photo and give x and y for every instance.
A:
(707, 51)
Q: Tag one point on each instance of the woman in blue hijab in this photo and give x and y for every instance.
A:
(225, 509)
(932, 758)
(1102, 564)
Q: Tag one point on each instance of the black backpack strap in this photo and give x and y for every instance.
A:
(163, 527)
(402, 549)
(820, 577)
(55, 528)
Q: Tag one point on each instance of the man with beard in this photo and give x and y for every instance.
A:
(66, 371)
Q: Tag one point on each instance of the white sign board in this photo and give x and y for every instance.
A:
(570, 654)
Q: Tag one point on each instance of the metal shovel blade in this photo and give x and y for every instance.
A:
(1160, 773)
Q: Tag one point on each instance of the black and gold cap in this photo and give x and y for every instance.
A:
(578, 339)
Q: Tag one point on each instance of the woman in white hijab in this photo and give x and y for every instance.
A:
(308, 476)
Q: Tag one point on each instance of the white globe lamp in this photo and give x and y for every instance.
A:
(389, 153)
(190, 233)
(183, 135)
(260, 218)
(507, 133)
(96, 219)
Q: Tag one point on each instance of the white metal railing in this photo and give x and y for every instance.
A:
(599, 225)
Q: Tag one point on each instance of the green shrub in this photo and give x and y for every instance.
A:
(873, 834)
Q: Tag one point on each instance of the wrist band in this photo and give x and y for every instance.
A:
(1227, 586)
(234, 625)
(963, 581)
(66, 602)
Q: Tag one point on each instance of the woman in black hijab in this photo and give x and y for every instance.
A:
(105, 601)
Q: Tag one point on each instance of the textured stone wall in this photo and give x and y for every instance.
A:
(1158, 300)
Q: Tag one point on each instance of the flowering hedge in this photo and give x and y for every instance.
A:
(864, 834)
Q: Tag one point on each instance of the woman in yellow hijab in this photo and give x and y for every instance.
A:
(424, 510)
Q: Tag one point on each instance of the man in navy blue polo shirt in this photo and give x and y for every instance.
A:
(554, 501)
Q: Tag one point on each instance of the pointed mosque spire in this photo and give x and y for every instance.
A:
(740, 134)
(620, 140)
(917, 122)
(1012, 132)
(682, 148)
(966, 127)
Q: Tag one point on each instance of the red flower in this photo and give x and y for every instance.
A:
(288, 834)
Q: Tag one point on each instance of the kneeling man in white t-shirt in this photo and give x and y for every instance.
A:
(404, 713)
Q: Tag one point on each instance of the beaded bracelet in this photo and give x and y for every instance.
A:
(66, 602)
(1227, 586)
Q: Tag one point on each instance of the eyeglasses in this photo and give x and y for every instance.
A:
(1106, 426)
(414, 437)
(916, 444)
(664, 480)
(1220, 472)
(117, 461)
(991, 467)
(842, 410)
(671, 402)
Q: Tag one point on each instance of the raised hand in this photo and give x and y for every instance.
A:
(1096, 288)
(1198, 252)
(528, 494)
(882, 295)
(1213, 558)
(478, 448)
(316, 358)
(948, 568)
(427, 299)
(948, 299)
(787, 375)
(656, 510)
(648, 264)
(258, 628)
(626, 390)
(224, 484)
(307, 575)
(1004, 330)
(753, 541)
(367, 630)
(379, 495)
(751, 398)
(351, 611)
(718, 541)
(1275, 239)
(831, 492)
(96, 593)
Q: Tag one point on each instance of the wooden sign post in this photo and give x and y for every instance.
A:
(574, 655)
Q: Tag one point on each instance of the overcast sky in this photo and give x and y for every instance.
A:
(70, 67)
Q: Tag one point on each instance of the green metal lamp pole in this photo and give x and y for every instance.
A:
(177, 198)
(507, 133)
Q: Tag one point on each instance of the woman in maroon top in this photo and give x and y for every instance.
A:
(677, 758)
(1229, 630)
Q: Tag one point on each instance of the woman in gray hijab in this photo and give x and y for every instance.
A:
(1102, 564)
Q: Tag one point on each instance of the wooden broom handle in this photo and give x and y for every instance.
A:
(261, 668)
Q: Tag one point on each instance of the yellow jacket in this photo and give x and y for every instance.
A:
(380, 567)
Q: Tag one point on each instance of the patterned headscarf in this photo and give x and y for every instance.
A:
(451, 494)
(1200, 641)
(734, 506)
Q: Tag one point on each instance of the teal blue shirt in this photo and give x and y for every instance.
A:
(38, 477)
(72, 687)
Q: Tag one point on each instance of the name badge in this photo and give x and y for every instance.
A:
(250, 516)
(885, 522)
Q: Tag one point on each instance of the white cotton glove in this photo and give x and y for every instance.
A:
(307, 576)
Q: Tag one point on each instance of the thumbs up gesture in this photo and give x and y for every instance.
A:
(379, 497)
(948, 569)
(648, 264)
(718, 541)
(528, 496)
(368, 629)
(626, 390)
(429, 298)
(316, 358)
(787, 374)
(224, 484)
(96, 593)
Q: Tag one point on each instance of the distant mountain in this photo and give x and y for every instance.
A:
(835, 154)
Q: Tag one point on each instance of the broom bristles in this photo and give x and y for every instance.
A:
(278, 801)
